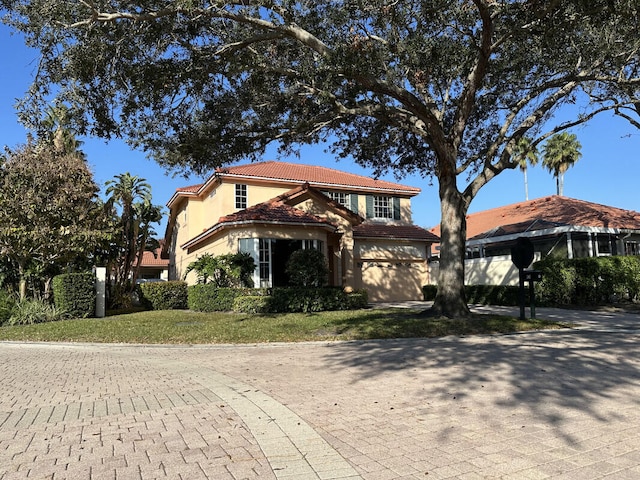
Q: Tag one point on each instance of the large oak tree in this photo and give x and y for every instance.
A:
(443, 88)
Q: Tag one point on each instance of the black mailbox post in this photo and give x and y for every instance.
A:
(522, 256)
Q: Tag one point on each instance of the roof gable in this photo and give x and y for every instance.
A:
(304, 192)
(274, 211)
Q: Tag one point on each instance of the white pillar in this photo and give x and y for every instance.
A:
(569, 246)
(101, 286)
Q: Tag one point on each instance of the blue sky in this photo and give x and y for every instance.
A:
(607, 173)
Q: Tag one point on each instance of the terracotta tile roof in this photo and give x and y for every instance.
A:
(314, 175)
(396, 232)
(154, 259)
(272, 211)
(190, 188)
(554, 209)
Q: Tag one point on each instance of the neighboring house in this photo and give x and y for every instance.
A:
(270, 209)
(154, 266)
(556, 225)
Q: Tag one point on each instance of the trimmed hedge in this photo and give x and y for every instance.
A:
(589, 281)
(579, 281)
(208, 298)
(75, 294)
(482, 294)
(251, 304)
(163, 295)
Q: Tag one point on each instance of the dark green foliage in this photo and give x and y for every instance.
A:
(307, 268)
(75, 294)
(228, 270)
(429, 292)
(482, 294)
(252, 304)
(296, 299)
(209, 298)
(164, 295)
(7, 304)
(589, 281)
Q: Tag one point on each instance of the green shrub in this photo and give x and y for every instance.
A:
(429, 292)
(209, 298)
(493, 294)
(357, 300)
(228, 270)
(7, 304)
(307, 268)
(252, 304)
(163, 295)
(75, 294)
(298, 299)
(28, 312)
(589, 281)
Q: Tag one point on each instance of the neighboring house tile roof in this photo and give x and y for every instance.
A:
(154, 259)
(319, 177)
(396, 232)
(553, 209)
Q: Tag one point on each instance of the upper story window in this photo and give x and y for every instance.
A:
(382, 207)
(340, 197)
(241, 196)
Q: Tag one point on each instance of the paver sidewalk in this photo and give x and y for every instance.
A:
(561, 404)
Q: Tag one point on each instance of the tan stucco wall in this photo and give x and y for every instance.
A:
(227, 242)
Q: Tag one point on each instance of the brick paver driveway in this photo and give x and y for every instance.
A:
(559, 404)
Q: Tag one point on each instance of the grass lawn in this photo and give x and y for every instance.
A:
(185, 327)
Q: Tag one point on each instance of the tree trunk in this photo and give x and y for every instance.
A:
(22, 288)
(450, 299)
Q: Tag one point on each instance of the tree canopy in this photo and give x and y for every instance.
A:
(442, 88)
(49, 210)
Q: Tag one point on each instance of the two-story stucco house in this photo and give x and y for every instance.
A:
(270, 209)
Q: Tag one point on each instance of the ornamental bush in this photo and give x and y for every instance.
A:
(589, 281)
(75, 294)
(29, 311)
(307, 268)
(7, 304)
(298, 299)
(163, 295)
(252, 304)
(210, 298)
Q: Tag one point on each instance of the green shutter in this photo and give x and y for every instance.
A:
(369, 206)
(353, 203)
(396, 208)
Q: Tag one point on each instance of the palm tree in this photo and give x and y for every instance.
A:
(560, 152)
(125, 190)
(525, 154)
(58, 131)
